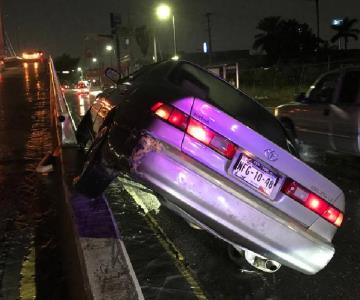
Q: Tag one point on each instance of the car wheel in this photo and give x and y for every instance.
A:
(97, 173)
(83, 132)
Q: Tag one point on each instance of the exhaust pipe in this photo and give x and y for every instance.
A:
(261, 263)
(237, 255)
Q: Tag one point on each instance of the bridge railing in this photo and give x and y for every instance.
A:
(61, 109)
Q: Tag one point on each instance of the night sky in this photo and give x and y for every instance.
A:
(59, 26)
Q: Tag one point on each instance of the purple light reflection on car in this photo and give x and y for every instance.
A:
(204, 147)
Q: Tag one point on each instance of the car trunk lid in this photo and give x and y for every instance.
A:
(258, 154)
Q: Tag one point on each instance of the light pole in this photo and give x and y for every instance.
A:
(163, 12)
(109, 49)
(95, 61)
(317, 15)
(79, 69)
(317, 21)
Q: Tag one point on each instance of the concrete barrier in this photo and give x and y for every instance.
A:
(96, 259)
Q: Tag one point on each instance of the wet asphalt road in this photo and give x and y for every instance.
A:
(203, 259)
(27, 199)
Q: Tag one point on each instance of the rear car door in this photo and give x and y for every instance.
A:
(344, 115)
(312, 119)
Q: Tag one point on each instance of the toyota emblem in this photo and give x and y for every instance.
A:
(271, 155)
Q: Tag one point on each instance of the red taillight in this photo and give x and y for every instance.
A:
(316, 204)
(313, 202)
(200, 132)
(195, 129)
(156, 106)
(210, 138)
(331, 214)
(162, 110)
(178, 118)
(339, 220)
(170, 114)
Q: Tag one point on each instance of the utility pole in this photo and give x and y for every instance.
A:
(208, 17)
(115, 22)
(317, 21)
(317, 15)
(2, 31)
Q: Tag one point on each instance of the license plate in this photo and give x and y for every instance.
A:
(256, 174)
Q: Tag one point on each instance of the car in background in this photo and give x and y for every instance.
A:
(10, 62)
(218, 159)
(82, 87)
(328, 115)
(33, 56)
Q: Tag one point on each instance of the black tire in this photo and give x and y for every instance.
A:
(83, 132)
(97, 173)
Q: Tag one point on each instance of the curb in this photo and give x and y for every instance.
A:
(92, 242)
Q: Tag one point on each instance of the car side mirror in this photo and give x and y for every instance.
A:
(113, 75)
(301, 97)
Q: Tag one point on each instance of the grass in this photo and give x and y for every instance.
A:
(273, 96)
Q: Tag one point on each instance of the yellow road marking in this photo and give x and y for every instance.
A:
(177, 256)
(136, 191)
(27, 284)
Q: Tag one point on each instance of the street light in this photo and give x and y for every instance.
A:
(175, 57)
(163, 12)
(337, 24)
(95, 61)
(79, 69)
(109, 48)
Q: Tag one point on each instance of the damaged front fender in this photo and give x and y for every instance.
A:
(145, 145)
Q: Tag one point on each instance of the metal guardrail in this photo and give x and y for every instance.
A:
(61, 109)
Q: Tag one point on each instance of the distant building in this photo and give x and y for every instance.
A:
(226, 64)
(219, 57)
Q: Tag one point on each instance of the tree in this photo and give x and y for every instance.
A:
(345, 31)
(296, 39)
(284, 39)
(267, 40)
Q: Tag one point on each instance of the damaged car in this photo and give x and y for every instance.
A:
(218, 159)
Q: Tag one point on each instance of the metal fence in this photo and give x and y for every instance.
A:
(279, 83)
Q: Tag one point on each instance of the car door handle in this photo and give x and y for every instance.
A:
(326, 112)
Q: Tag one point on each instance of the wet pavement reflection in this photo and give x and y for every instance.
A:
(161, 244)
(26, 199)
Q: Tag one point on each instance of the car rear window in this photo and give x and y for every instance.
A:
(231, 101)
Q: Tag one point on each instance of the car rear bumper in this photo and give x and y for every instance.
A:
(228, 211)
